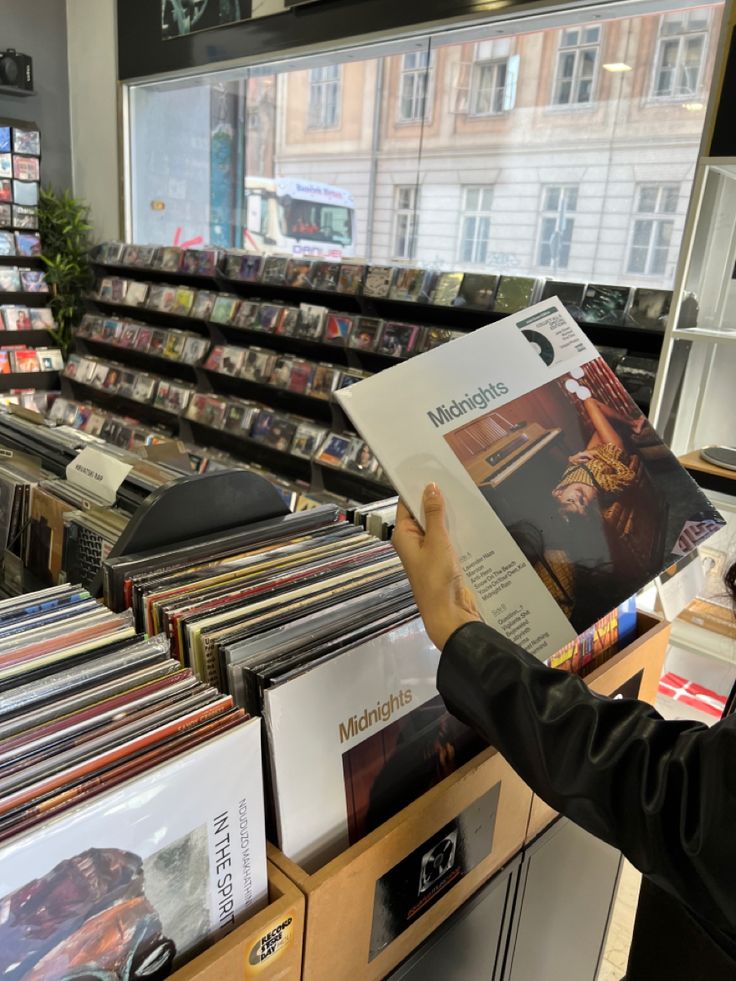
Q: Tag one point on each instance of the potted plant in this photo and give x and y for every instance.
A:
(63, 222)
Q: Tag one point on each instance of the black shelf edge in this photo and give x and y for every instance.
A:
(22, 261)
(250, 450)
(44, 381)
(153, 275)
(277, 398)
(352, 485)
(155, 318)
(121, 404)
(23, 299)
(29, 337)
(150, 363)
(285, 344)
(638, 341)
(347, 302)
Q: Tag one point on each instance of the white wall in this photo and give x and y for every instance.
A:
(96, 176)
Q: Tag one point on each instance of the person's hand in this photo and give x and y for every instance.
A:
(585, 456)
(431, 563)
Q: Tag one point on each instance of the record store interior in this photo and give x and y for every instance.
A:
(367, 490)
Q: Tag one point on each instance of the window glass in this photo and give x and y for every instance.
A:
(509, 147)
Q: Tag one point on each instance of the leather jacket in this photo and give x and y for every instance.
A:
(662, 792)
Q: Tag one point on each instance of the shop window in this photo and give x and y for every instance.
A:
(475, 226)
(577, 63)
(324, 97)
(559, 204)
(652, 230)
(405, 222)
(681, 48)
(414, 88)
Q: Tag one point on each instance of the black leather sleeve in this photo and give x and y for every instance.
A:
(662, 792)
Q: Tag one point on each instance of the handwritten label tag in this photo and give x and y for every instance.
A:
(97, 474)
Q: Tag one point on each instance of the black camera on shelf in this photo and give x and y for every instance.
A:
(16, 70)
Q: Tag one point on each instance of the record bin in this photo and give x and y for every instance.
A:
(371, 906)
(268, 946)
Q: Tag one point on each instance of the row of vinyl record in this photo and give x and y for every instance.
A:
(24, 244)
(16, 317)
(16, 279)
(287, 611)
(588, 302)
(20, 358)
(112, 867)
(174, 345)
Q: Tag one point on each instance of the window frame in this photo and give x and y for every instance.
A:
(323, 84)
(429, 92)
(557, 214)
(578, 49)
(654, 218)
(412, 214)
(473, 91)
(467, 213)
(662, 39)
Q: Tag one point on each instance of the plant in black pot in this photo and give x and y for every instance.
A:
(66, 242)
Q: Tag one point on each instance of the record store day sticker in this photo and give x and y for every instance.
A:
(97, 475)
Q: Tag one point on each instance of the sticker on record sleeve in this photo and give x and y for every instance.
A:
(413, 886)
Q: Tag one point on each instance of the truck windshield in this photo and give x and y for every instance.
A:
(317, 222)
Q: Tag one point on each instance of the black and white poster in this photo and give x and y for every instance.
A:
(182, 17)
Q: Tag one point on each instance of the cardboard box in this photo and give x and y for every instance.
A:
(268, 946)
(371, 906)
(633, 673)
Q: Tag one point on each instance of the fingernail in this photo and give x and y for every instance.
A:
(432, 490)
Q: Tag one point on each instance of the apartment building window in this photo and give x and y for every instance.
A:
(680, 54)
(487, 88)
(475, 225)
(651, 235)
(559, 204)
(416, 69)
(577, 63)
(324, 97)
(406, 200)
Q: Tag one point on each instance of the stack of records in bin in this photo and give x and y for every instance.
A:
(308, 620)
(111, 864)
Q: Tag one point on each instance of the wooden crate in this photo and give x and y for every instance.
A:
(268, 946)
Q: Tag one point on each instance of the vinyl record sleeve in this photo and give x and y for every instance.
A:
(173, 860)
(554, 506)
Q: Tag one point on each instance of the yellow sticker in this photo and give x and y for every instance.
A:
(270, 946)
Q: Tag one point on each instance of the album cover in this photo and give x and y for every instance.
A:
(412, 285)
(204, 301)
(126, 384)
(570, 294)
(24, 361)
(477, 291)
(6, 190)
(246, 316)
(514, 293)
(446, 289)
(268, 317)
(158, 295)
(33, 281)
(207, 409)
(239, 416)
(288, 324)
(365, 333)
(251, 268)
(16, 318)
(41, 319)
(258, 365)
(136, 871)
(25, 168)
(170, 258)
(25, 192)
(129, 335)
(6, 215)
(27, 243)
(136, 293)
(5, 145)
(350, 281)
(7, 243)
(351, 376)
(9, 279)
(297, 273)
(144, 389)
(433, 337)
(184, 300)
(300, 379)
(334, 449)
(324, 381)
(324, 276)
(195, 349)
(605, 305)
(26, 141)
(397, 340)
(224, 309)
(649, 309)
(553, 464)
(311, 321)
(361, 460)
(143, 341)
(281, 371)
(274, 270)
(307, 439)
(337, 328)
(23, 217)
(638, 374)
(157, 342)
(232, 360)
(174, 346)
(378, 280)
(50, 359)
(274, 429)
(5, 368)
(6, 165)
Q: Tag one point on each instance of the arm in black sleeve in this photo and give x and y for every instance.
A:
(664, 793)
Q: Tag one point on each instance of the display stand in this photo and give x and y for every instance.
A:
(193, 507)
(708, 476)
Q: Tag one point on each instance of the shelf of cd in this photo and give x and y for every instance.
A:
(277, 398)
(283, 344)
(121, 404)
(43, 381)
(247, 449)
(161, 275)
(159, 318)
(151, 363)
